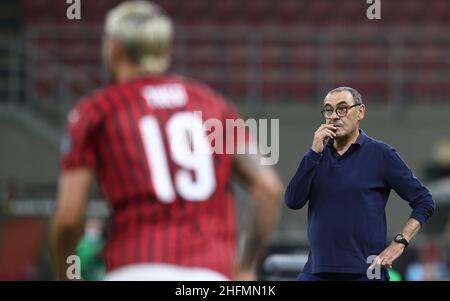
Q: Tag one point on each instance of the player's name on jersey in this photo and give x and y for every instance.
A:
(165, 96)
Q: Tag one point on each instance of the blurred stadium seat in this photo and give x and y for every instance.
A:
(20, 243)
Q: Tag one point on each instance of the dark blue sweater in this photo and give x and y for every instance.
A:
(347, 197)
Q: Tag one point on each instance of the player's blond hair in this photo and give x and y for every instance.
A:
(145, 32)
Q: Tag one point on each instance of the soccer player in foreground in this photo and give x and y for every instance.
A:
(142, 137)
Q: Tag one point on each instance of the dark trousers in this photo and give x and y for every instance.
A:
(340, 277)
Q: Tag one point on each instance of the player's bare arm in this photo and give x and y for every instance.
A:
(67, 223)
(266, 190)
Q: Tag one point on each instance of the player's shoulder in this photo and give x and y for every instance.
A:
(98, 100)
(91, 105)
(379, 145)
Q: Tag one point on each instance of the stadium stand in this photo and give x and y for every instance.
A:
(20, 243)
(289, 38)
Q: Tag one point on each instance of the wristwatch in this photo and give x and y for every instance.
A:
(400, 238)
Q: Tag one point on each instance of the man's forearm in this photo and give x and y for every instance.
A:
(265, 189)
(265, 214)
(63, 244)
(411, 228)
(68, 219)
(256, 241)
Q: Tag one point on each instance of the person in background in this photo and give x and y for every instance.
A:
(90, 249)
(429, 267)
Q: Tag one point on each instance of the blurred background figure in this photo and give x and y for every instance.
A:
(272, 59)
(394, 275)
(90, 249)
(429, 267)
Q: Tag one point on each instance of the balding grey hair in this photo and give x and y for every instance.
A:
(357, 98)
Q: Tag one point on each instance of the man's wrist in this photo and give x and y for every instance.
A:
(313, 156)
(398, 245)
(316, 151)
(400, 239)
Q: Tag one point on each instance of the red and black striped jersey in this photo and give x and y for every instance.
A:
(168, 190)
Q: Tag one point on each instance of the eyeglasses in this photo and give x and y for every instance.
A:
(341, 111)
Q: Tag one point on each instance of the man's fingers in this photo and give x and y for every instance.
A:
(325, 133)
(377, 262)
(386, 258)
(325, 130)
(330, 134)
(326, 126)
(372, 266)
(390, 257)
(386, 263)
(329, 126)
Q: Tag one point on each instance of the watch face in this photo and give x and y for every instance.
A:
(398, 237)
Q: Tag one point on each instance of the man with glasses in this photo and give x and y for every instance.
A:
(347, 176)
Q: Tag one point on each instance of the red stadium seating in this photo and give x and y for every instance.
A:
(20, 242)
(288, 67)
